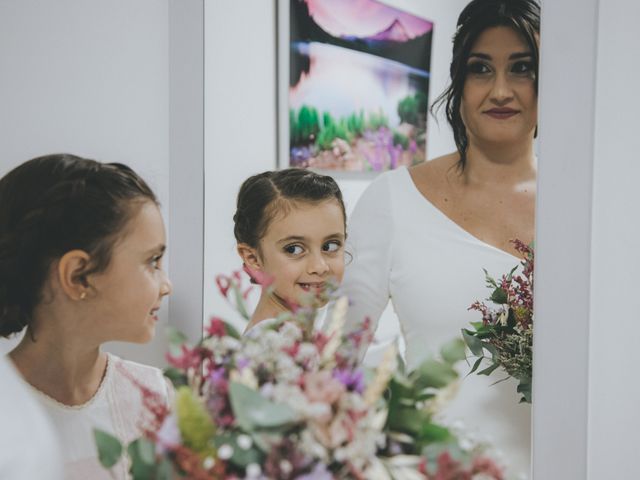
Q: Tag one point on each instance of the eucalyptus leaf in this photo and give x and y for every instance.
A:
(142, 454)
(453, 351)
(109, 448)
(432, 373)
(474, 344)
(253, 411)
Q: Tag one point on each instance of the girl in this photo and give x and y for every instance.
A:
(81, 246)
(290, 227)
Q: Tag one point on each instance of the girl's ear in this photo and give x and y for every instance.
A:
(70, 273)
(249, 256)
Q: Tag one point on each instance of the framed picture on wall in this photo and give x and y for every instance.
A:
(353, 84)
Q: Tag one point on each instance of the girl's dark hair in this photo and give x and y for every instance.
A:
(51, 205)
(523, 16)
(262, 196)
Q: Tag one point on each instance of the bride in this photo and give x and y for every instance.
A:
(421, 236)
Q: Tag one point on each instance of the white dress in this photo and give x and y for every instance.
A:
(28, 445)
(406, 250)
(115, 408)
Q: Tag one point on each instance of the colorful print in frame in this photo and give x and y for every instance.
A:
(356, 99)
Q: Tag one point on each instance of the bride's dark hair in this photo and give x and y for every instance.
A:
(523, 16)
(51, 205)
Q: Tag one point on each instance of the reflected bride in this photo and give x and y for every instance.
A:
(421, 236)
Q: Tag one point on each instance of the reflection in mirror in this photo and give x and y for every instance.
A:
(420, 236)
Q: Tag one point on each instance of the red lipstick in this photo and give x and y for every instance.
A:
(501, 113)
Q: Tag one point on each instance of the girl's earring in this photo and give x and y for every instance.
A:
(83, 295)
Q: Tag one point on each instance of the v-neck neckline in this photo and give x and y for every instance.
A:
(450, 221)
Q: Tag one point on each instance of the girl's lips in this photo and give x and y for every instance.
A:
(308, 286)
(501, 113)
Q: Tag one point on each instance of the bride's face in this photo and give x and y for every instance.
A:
(303, 248)
(499, 102)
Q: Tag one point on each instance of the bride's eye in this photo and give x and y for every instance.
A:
(293, 249)
(524, 68)
(478, 68)
(332, 246)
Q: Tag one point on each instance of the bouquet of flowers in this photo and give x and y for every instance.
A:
(286, 401)
(505, 334)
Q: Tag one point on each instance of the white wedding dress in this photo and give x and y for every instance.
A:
(406, 250)
(115, 408)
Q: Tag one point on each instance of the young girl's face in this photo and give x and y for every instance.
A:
(304, 248)
(130, 290)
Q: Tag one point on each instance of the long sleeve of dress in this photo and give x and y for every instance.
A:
(370, 235)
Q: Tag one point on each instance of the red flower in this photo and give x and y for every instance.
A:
(216, 327)
(224, 284)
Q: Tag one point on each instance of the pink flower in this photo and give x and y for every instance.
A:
(488, 467)
(322, 387)
(261, 278)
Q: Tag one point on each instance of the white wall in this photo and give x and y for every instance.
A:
(88, 77)
(586, 397)
(614, 392)
(240, 114)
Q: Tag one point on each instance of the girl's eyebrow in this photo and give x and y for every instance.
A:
(513, 56)
(157, 249)
(291, 238)
(335, 235)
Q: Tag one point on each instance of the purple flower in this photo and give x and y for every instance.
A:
(319, 472)
(351, 379)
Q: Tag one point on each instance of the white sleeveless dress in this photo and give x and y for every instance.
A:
(115, 408)
(406, 250)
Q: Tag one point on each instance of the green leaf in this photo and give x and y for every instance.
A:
(109, 448)
(499, 296)
(432, 373)
(453, 351)
(176, 339)
(430, 432)
(524, 387)
(253, 411)
(178, 379)
(240, 305)
(489, 369)
(142, 454)
(231, 331)
(476, 365)
(474, 344)
(165, 470)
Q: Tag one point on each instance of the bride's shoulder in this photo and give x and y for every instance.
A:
(434, 169)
